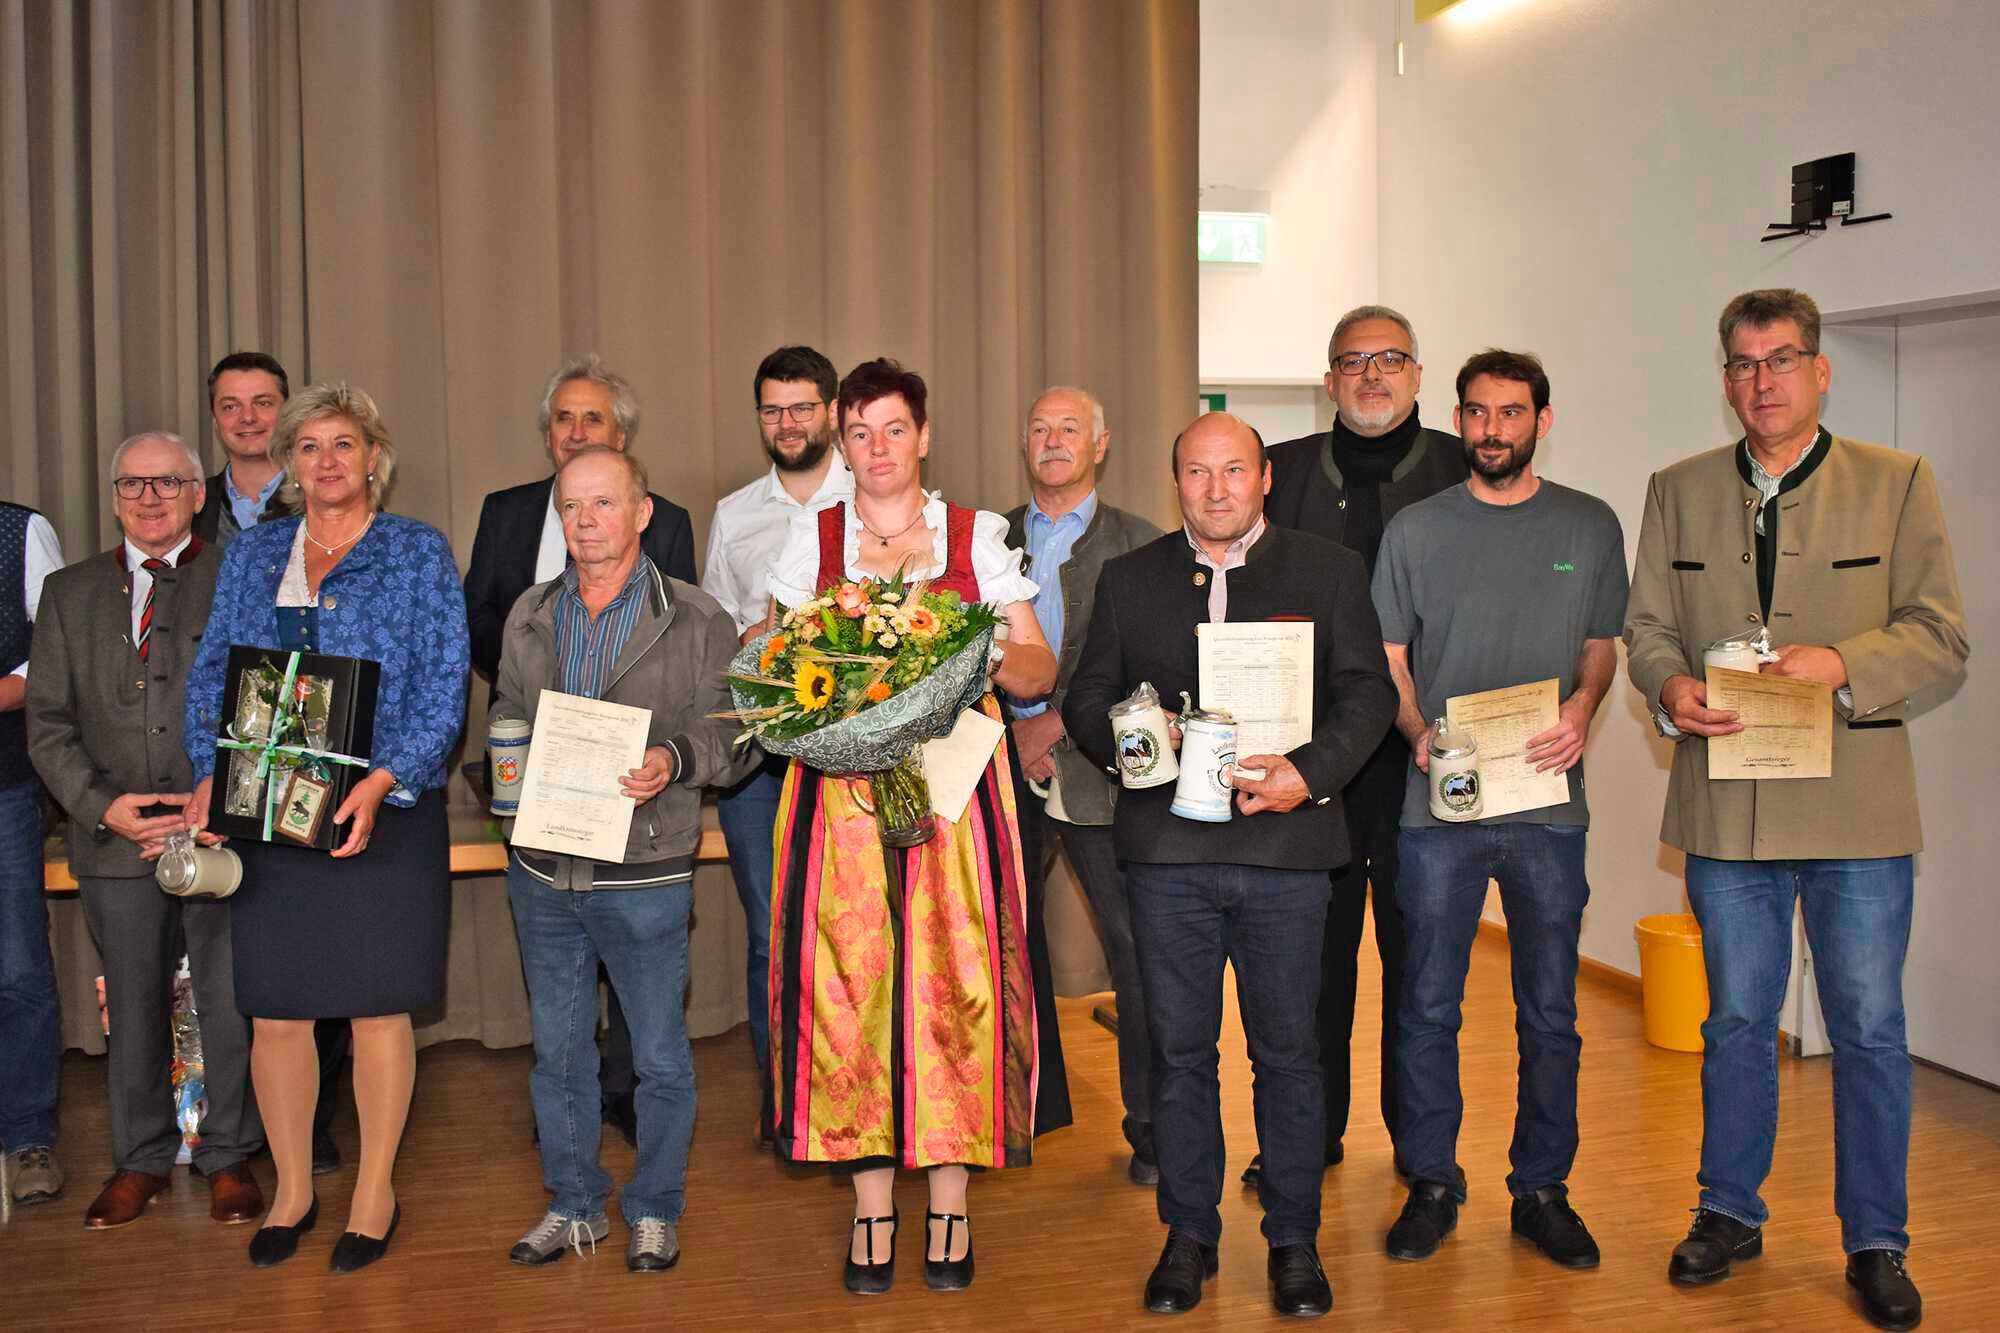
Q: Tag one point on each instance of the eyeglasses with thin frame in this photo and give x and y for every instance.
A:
(1782, 362)
(131, 488)
(1389, 361)
(800, 412)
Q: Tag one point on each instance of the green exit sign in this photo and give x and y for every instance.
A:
(1232, 238)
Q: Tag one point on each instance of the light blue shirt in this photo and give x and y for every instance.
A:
(1050, 541)
(245, 509)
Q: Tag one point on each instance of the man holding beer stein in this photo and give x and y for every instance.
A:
(1247, 886)
(1503, 583)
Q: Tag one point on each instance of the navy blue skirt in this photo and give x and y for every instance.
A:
(365, 935)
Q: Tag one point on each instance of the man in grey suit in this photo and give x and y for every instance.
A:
(113, 645)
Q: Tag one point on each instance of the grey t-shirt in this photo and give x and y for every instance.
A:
(1488, 596)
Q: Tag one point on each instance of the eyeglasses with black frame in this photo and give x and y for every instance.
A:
(800, 412)
(131, 488)
(1390, 361)
(1782, 362)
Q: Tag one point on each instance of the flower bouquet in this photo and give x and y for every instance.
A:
(856, 679)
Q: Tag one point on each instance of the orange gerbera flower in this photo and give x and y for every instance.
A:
(771, 651)
(923, 621)
(877, 691)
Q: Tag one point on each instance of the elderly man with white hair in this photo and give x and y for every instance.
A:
(114, 642)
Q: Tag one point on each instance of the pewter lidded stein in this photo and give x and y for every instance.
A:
(187, 870)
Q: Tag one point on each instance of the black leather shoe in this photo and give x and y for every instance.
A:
(1298, 1282)
(1253, 1174)
(949, 1274)
(1888, 1297)
(1175, 1284)
(1428, 1217)
(622, 1112)
(871, 1278)
(1713, 1243)
(326, 1154)
(1546, 1218)
(274, 1244)
(354, 1250)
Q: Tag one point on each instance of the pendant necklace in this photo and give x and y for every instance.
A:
(886, 537)
(306, 527)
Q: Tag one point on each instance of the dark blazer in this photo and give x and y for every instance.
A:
(215, 523)
(1148, 604)
(101, 723)
(1087, 796)
(1308, 492)
(503, 559)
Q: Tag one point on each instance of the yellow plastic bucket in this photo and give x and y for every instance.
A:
(1672, 982)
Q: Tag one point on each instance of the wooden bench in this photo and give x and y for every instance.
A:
(476, 849)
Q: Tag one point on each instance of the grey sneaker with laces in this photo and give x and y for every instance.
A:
(655, 1246)
(548, 1238)
(34, 1175)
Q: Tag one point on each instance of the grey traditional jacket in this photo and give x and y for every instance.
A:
(1863, 564)
(1088, 797)
(101, 723)
(673, 664)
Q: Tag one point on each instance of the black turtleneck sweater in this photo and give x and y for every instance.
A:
(1366, 463)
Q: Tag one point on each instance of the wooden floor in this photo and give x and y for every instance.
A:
(1064, 1245)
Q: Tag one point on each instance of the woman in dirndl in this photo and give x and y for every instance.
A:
(903, 1014)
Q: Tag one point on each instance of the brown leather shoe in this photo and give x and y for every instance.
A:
(233, 1195)
(122, 1199)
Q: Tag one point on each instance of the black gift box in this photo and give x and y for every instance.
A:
(331, 708)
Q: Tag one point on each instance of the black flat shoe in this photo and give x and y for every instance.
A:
(1713, 1243)
(1175, 1284)
(1298, 1282)
(949, 1274)
(274, 1244)
(354, 1250)
(1888, 1297)
(871, 1278)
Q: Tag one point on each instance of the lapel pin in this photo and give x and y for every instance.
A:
(1200, 578)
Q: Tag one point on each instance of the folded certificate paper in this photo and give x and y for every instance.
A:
(571, 802)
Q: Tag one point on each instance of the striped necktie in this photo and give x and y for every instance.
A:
(146, 613)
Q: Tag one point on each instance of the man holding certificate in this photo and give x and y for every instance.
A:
(1839, 548)
(619, 669)
(1500, 600)
(1245, 883)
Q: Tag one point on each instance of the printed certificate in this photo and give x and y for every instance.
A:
(1502, 721)
(570, 798)
(1787, 726)
(1261, 673)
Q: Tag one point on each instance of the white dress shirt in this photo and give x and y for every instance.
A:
(41, 556)
(749, 531)
(142, 577)
(552, 556)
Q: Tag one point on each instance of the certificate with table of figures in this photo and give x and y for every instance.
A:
(1502, 722)
(1787, 726)
(570, 798)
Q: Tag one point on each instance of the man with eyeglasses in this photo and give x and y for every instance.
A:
(519, 544)
(117, 637)
(1839, 549)
(246, 391)
(30, 1048)
(794, 391)
(1346, 484)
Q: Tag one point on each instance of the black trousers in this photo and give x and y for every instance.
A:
(1374, 805)
(1052, 1106)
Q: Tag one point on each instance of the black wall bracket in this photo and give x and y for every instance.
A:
(1822, 190)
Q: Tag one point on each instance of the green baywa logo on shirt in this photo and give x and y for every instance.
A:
(1564, 567)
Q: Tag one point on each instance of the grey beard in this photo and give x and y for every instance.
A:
(1374, 423)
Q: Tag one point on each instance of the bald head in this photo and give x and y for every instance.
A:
(1220, 471)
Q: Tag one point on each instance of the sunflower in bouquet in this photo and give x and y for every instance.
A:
(855, 679)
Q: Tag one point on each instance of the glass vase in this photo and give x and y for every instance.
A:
(902, 800)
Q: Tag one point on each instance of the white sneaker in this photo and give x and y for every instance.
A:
(546, 1241)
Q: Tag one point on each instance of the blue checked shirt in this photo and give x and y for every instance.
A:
(1050, 541)
(586, 648)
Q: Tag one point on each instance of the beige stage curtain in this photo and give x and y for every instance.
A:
(441, 200)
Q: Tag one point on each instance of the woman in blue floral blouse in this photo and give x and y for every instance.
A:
(359, 934)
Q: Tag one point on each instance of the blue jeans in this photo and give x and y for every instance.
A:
(641, 937)
(749, 814)
(1857, 916)
(30, 1051)
(1442, 890)
(1187, 920)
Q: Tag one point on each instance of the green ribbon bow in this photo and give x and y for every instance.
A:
(286, 716)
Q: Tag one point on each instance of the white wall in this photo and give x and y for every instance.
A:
(1588, 181)
(1288, 109)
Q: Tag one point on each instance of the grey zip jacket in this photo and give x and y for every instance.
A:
(673, 664)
